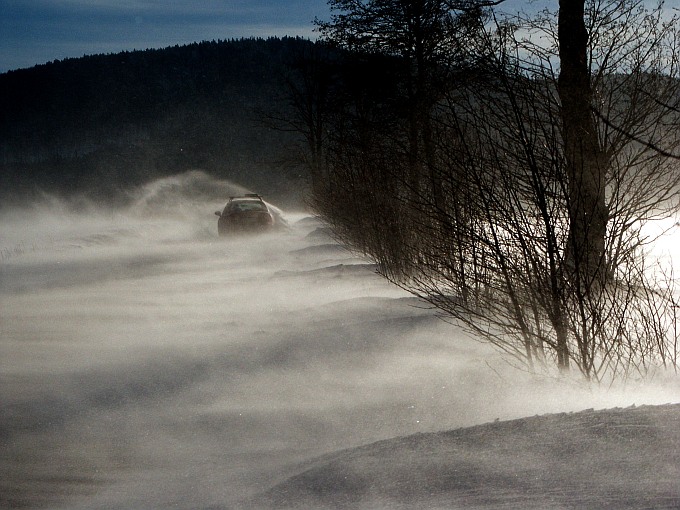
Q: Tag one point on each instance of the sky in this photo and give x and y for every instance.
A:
(38, 31)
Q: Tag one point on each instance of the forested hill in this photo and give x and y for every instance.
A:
(101, 124)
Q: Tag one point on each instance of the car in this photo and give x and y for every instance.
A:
(247, 213)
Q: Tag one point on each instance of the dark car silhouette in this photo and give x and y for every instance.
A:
(248, 213)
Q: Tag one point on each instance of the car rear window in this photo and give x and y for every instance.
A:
(248, 206)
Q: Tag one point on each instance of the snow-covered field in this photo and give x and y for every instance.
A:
(145, 363)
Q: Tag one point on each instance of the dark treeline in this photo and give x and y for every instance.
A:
(100, 124)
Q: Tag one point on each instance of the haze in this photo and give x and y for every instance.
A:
(145, 363)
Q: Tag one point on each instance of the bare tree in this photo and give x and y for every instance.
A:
(425, 35)
(534, 235)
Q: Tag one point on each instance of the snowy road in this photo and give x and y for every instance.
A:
(144, 363)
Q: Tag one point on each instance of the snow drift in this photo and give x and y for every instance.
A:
(618, 458)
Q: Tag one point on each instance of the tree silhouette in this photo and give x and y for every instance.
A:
(535, 240)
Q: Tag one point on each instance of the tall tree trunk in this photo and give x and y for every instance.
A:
(585, 161)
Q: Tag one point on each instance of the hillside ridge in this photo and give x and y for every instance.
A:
(102, 124)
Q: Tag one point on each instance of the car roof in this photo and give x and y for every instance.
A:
(248, 197)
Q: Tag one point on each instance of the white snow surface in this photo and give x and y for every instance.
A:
(146, 363)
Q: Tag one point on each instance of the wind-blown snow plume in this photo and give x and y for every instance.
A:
(145, 362)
